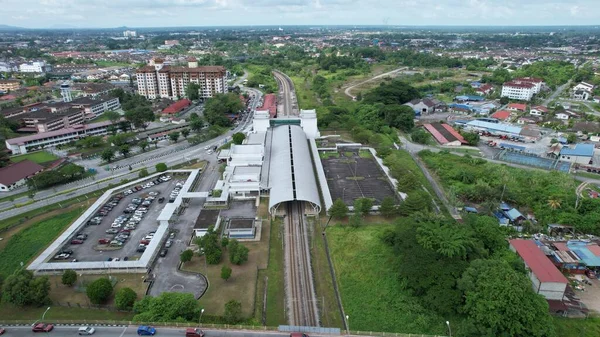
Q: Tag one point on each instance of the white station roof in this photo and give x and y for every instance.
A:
(291, 182)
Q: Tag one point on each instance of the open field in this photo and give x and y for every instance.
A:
(572, 327)
(372, 295)
(26, 244)
(37, 157)
(10, 312)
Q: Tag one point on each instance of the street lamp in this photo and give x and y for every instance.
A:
(200, 319)
(347, 325)
(44, 314)
(449, 330)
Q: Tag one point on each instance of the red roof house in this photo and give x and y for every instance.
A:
(517, 107)
(177, 106)
(546, 279)
(14, 175)
(501, 115)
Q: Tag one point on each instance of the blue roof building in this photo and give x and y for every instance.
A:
(495, 128)
(469, 98)
(581, 154)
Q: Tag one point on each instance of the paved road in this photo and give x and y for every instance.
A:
(347, 91)
(131, 331)
(556, 93)
(172, 155)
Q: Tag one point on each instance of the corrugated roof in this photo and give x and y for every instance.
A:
(580, 150)
(539, 264)
(495, 126)
(17, 171)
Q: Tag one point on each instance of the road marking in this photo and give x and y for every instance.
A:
(122, 333)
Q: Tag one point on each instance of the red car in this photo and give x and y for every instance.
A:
(104, 241)
(145, 242)
(2, 331)
(76, 242)
(42, 327)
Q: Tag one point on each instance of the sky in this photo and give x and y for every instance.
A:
(172, 13)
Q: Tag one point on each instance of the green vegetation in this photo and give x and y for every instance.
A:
(186, 255)
(371, 292)
(233, 312)
(569, 327)
(338, 210)
(213, 251)
(23, 289)
(225, 273)
(168, 307)
(220, 106)
(99, 291)
(238, 138)
(69, 277)
(25, 245)
(62, 175)
(275, 311)
(327, 155)
(238, 253)
(161, 167)
(36, 157)
(125, 298)
(101, 63)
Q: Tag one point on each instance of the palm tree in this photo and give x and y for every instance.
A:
(554, 203)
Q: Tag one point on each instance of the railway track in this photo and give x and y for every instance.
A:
(300, 292)
(287, 87)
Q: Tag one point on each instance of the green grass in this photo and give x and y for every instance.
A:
(10, 312)
(25, 245)
(573, 327)
(36, 157)
(276, 284)
(365, 154)
(327, 155)
(371, 293)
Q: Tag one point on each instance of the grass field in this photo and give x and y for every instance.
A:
(37, 157)
(572, 327)
(26, 244)
(79, 315)
(275, 312)
(371, 293)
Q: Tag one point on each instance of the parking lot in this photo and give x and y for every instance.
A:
(102, 241)
(351, 176)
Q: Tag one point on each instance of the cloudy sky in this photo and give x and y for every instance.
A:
(167, 13)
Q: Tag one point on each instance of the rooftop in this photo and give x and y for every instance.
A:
(581, 150)
(207, 218)
(25, 139)
(539, 264)
(17, 171)
(495, 126)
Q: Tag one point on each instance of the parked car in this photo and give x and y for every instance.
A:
(145, 242)
(144, 330)
(86, 331)
(191, 332)
(66, 251)
(76, 242)
(163, 252)
(82, 237)
(42, 327)
(104, 241)
(116, 243)
(112, 231)
(168, 244)
(141, 248)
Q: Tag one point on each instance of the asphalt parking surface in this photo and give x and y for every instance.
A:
(90, 250)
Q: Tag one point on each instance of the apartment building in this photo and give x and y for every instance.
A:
(94, 106)
(34, 67)
(9, 85)
(522, 88)
(157, 80)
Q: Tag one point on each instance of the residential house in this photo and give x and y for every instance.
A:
(485, 89)
(566, 115)
(502, 115)
(526, 120)
(517, 107)
(426, 106)
(509, 216)
(582, 91)
(538, 110)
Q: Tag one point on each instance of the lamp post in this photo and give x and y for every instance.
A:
(44, 314)
(200, 319)
(347, 325)
(449, 330)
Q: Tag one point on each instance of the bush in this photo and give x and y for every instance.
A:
(161, 167)
(143, 173)
(69, 277)
(225, 273)
(99, 291)
(233, 312)
(186, 255)
(125, 298)
(238, 253)
(22, 288)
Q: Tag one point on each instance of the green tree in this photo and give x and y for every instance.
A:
(112, 116)
(420, 136)
(139, 116)
(339, 209)
(161, 167)
(99, 291)
(186, 255)
(210, 245)
(504, 100)
(192, 91)
(356, 220)
(125, 298)
(107, 155)
(225, 273)
(571, 138)
(197, 124)
(388, 207)
(124, 149)
(399, 116)
(238, 253)
(218, 107)
(363, 206)
(143, 145)
(185, 133)
(233, 312)
(471, 137)
(69, 277)
(238, 138)
(167, 307)
(143, 173)
(174, 136)
(22, 289)
(417, 201)
(224, 242)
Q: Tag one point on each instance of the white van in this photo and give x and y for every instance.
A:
(86, 331)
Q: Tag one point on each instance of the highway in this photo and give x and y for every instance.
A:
(131, 331)
(171, 155)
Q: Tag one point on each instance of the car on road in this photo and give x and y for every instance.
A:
(161, 200)
(76, 242)
(163, 252)
(42, 327)
(168, 244)
(194, 332)
(86, 331)
(144, 330)
(298, 334)
(2, 331)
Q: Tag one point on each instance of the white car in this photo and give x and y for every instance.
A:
(207, 147)
(116, 225)
(153, 193)
(86, 330)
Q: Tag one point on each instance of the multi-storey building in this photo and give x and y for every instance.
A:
(159, 80)
(34, 67)
(8, 85)
(522, 88)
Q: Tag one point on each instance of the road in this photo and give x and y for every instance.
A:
(347, 91)
(556, 93)
(171, 155)
(131, 331)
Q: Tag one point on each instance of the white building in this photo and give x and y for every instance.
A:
(582, 91)
(582, 154)
(243, 181)
(522, 88)
(33, 67)
(246, 155)
(130, 33)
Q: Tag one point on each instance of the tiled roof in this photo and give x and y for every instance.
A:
(21, 170)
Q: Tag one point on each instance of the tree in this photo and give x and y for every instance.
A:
(192, 91)
(161, 167)
(69, 277)
(22, 288)
(417, 201)
(112, 116)
(143, 145)
(168, 307)
(125, 298)
(504, 100)
(225, 273)
(107, 155)
(238, 253)
(139, 116)
(388, 207)
(238, 138)
(99, 291)
(124, 149)
(233, 312)
(363, 206)
(218, 107)
(143, 173)
(471, 137)
(197, 124)
(571, 138)
(209, 244)
(224, 242)
(399, 116)
(174, 136)
(356, 220)
(420, 136)
(499, 301)
(185, 133)
(554, 203)
(339, 209)
(186, 255)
